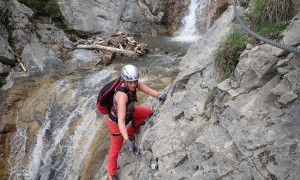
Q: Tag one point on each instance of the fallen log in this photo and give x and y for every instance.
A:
(111, 49)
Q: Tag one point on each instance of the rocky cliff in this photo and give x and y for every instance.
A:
(245, 127)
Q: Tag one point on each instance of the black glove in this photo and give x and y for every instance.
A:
(161, 97)
(132, 147)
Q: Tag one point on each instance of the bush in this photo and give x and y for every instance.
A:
(272, 30)
(49, 8)
(42, 7)
(270, 11)
(228, 54)
(243, 3)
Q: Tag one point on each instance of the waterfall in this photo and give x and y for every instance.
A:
(189, 31)
(60, 150)
(17, 154)
(37, 154)
(57, 136)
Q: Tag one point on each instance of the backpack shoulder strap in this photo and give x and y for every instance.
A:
(126, 91)
(109, 88)
(123, 89)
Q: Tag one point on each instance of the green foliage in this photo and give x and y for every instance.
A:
(247, 15)
(270, 11)
(2, 81)
(228, 53)
(211, 96)
(289, 66)
(243, 3)
(210, 154)
(272, 30)
(34, 27)
(12, 41)
(49, 8)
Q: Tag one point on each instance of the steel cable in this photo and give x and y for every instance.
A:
(271, 42)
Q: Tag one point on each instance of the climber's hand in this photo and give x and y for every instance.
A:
(132, 147)
(161, 97)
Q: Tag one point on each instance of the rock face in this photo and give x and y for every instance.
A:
(249, 130)
(103, 17)
(150, 17)
(246, 127)
(6, 52)
(20, 22)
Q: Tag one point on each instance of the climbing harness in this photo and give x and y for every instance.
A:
(145, 123)
(271, 42)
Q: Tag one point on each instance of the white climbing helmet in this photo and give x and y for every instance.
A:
(130, 73)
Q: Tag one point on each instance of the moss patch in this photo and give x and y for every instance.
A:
(228, 53)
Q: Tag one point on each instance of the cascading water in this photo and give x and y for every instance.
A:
(189, 31)
(60, 151)
(55, 140)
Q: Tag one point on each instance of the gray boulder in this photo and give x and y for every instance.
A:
(39, 59)
(6, 52)
(104, 17)
(82, 58)
(20, 22)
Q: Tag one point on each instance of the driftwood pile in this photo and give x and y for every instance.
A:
(118, 44)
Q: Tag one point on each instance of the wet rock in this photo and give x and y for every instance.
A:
(6, 134)
(7, 128)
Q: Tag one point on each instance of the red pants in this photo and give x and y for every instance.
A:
(139, 115)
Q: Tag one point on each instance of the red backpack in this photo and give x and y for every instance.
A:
(106, 94)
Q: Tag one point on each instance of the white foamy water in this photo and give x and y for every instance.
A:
(17, 154)
(60, 148)
(79, 151)
(184, 38)
(189, 31)
(38, 151)
(54, 145)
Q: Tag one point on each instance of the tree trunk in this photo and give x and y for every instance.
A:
(111, 49)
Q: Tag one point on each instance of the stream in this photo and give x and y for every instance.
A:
(58, 121)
